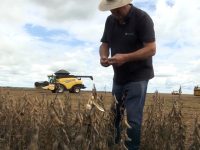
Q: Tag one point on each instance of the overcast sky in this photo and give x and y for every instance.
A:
(40, 37)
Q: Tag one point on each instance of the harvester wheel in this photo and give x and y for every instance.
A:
(59, 89)
(76, 89)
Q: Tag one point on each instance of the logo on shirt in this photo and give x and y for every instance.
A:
(129, 33)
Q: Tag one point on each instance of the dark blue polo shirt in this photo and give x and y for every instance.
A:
(129, 37)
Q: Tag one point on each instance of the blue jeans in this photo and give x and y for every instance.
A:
(133, 102)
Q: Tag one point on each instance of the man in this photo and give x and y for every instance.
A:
(129, 35)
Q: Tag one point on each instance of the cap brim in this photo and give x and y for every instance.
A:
(104, 6)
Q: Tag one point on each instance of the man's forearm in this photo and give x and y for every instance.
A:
(141, 54)
(104, 54)
(104, 50)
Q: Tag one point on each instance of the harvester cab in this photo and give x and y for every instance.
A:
(62, 81)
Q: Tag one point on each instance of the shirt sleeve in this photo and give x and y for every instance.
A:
(104, 38)
(146, 29)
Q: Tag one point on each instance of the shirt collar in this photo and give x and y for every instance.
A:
(127, 18)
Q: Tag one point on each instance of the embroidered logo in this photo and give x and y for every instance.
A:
(129, 33)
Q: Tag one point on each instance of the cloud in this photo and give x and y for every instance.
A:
(174, 23)
(62, 10)
(176, 27)
(147, 5)
(28, 57)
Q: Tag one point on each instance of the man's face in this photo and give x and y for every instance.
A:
(118, 13)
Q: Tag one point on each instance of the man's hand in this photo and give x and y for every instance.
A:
(118, 59)
(104, 61)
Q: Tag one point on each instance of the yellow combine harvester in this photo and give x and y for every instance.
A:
(62, 81)
(196, 91)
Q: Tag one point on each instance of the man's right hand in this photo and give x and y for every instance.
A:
(104, 61)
